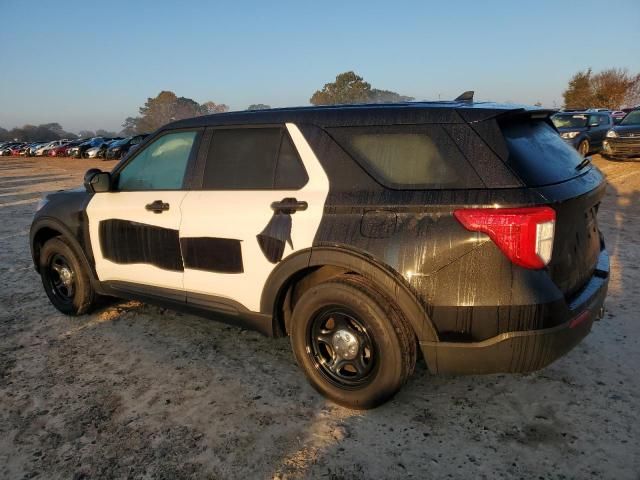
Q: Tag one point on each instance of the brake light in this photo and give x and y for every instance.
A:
(525, 235)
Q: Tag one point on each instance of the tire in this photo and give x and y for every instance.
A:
(584, 147)
(385, 343)
(75, 296)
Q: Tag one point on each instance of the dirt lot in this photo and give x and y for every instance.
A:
(134, 391)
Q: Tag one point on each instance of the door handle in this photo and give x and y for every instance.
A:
(289, 206)
(157, 207)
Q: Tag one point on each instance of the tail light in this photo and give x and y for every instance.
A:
(525, 235)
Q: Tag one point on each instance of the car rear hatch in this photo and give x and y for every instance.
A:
(569, 184)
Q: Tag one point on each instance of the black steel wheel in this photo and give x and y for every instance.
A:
(352, 341)
(65, 278)
(61, 277)
(341, 347)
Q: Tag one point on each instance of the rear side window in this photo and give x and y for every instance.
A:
(538, 154)
(408, 156)
(253, 159)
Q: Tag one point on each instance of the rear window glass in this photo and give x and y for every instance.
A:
(408, 156)
(538, 154)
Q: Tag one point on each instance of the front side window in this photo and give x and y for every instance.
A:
(253, 159)
(160, 166)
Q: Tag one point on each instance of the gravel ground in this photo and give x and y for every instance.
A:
(135, 391)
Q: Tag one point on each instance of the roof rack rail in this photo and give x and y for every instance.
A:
(465, 97)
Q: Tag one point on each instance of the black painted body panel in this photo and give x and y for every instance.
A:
(223, 255)
(123, 241)
(67, 209)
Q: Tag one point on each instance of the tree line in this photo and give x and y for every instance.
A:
(613, 88)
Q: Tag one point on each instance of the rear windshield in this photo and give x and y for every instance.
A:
(538, 154)
(408, 156)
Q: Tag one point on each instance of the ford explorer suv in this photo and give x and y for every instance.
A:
(367, 233)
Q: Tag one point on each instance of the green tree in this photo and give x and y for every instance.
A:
(86, 133)
(611, 88)
(258, 106)
(579, 93)
(351, 88)
(208, 108)
(164, 108)
(387, 96)
(347, 88)
(105, 133)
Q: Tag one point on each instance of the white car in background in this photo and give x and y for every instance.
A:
(43, 149)
(92, 152)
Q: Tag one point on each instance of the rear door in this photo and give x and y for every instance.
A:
(134, 228)
(262, 198)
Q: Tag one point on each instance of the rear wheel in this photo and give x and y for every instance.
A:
(352, 342)
(584, 147)
(65, 280)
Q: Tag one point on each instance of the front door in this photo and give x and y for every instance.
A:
(134, 228)
(263, 197)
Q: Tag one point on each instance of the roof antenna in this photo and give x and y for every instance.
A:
(465, 97)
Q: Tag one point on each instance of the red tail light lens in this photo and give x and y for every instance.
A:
(525, 235)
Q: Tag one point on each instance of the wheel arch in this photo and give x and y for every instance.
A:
(46, 228)
(335, 260)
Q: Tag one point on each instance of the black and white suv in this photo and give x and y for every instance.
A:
(467, 230)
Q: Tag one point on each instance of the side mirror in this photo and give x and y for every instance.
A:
(97, 181)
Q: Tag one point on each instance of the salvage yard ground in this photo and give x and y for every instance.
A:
(136, 391)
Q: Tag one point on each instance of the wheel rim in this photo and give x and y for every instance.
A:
(341, 348)
(584, 147)
(61, 278)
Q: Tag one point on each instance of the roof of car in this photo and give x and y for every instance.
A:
(363, 114)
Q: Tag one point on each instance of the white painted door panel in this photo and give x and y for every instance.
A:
(243, 214)
(130, 206)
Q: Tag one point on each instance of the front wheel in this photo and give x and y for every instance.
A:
(352, 342)
(65, 280)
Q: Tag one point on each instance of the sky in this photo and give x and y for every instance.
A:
(89, 65)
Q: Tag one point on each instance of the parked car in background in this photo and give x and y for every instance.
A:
(61, 150)
(120, 148)
(585, 131)
(10, 149)
(79, 151)
(99, 151)
(17, 150)
(31, 150)
(623, 140)
(617, 115)
(367, 234)
(44, 149)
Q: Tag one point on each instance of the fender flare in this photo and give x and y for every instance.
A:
(57, 225)
(384, 277)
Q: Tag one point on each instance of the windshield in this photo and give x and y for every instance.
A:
(570, 121)
(632, 118)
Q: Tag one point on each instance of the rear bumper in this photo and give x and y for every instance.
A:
(524, 351)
